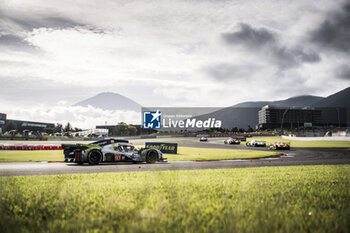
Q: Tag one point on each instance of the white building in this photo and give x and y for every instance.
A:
(98, 132)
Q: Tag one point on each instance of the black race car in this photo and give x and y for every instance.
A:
(110, 150)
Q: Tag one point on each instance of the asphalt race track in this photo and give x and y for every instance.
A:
(294, 157)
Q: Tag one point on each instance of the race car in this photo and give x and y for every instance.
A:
(232, 141)
(242, 139)
(203, 139)
(280, 146)
(256, 143)
(110, 150)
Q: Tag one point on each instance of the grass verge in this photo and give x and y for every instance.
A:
(190, 154)
(296, 143)
(272, 199)
(31, 156)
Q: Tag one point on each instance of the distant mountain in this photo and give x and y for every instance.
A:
(341, 100)
(234, 117)
(110, 101)
(298, 101)
(240, 115)
(245, 114)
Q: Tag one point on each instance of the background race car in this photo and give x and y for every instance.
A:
(242, 139)
(110, 151)
(256, 143)
(232, 141)
(203, 139)
(280, 146)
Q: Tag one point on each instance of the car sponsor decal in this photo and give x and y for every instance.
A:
(117, 157)
(169, 148)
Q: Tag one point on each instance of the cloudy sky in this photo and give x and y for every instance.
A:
(167, 53)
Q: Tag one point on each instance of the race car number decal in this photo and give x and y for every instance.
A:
(117, 157)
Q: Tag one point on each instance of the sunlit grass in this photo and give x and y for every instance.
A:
(190, 153)
(297, 143)
(273, 199)
(31, 156)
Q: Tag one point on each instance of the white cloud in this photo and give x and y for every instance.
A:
(82, 117)
(156, 52)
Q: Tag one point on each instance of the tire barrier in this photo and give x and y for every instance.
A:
(29, 147)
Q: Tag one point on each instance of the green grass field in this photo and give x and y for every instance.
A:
(295, 143)
(31, 156)
(190, 153)
(184, 153)
(272, 199)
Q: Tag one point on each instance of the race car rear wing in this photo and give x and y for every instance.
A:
(72, 147)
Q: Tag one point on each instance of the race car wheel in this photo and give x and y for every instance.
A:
(66, 155)
(94, 157)
(152, 156)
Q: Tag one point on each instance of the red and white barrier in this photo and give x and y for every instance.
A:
(29, 147)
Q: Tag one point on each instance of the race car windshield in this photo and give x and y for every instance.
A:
(125, 148)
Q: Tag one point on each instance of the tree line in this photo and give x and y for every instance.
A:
(59, 128)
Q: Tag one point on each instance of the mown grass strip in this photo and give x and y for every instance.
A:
(297, 143)
(191, 154)
(31, 156)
